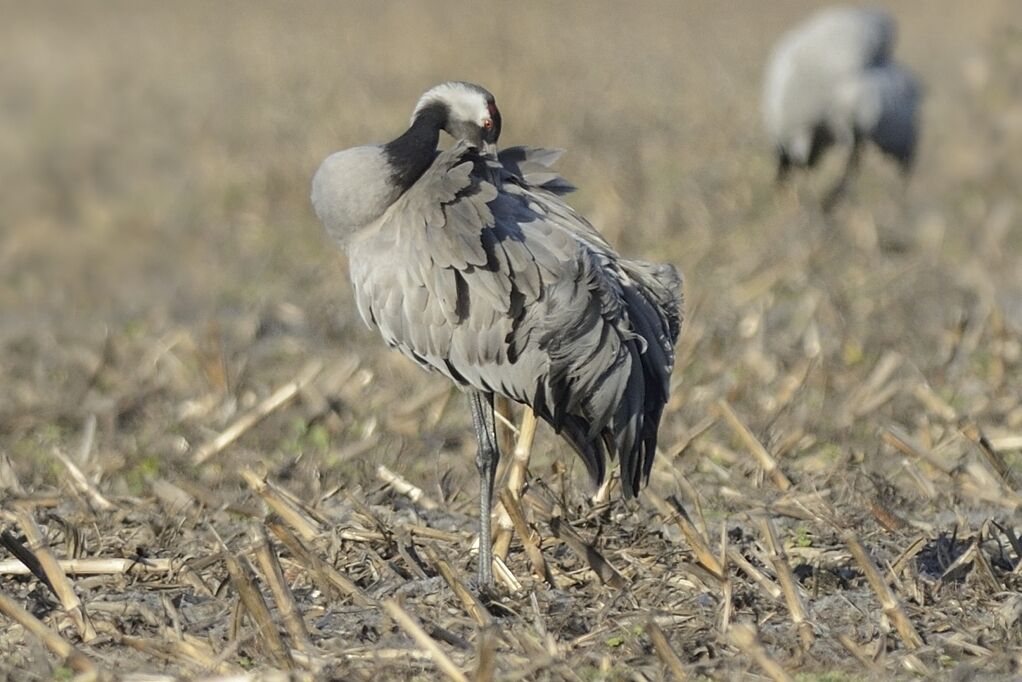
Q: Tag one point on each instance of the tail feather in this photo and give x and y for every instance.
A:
(655, 314)
(627, 427)
(608, 378)
(591, 450)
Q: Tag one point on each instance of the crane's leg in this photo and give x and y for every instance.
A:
(851, 168)
(905, 166)
(486, 462)
(783, 167)
(505, 431)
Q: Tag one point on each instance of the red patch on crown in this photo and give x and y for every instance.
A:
(492, 108)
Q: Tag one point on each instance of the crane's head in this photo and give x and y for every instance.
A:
(467, 111)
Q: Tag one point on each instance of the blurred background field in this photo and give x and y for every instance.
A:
(161, 273)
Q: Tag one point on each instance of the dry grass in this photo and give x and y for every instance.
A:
(838, 492)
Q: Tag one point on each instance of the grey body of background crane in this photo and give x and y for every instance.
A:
(471, 264)
(833, 80)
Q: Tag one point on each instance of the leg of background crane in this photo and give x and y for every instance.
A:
(838, 191)
(783, 167)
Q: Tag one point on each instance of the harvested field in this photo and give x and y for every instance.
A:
(210, 468)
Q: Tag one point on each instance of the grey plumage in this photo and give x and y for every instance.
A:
(479, 271)
(833, 80)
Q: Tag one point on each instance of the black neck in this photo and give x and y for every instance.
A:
(412, 153)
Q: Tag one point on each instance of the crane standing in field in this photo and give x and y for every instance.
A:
(470, 263)
(833, 80)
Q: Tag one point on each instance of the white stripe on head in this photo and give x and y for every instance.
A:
(464, 101)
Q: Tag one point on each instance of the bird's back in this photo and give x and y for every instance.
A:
(840, 40)
(813, 58)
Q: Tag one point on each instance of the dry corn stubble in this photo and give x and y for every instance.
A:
(164, 289)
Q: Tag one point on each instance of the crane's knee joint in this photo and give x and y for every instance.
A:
(487, 457)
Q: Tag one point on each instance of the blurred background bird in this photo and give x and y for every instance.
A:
(833, 81)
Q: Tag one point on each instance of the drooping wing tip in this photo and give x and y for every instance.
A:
(544, 156)
(534, 166)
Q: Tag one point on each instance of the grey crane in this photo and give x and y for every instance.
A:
(469, 262)
(832, 80)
